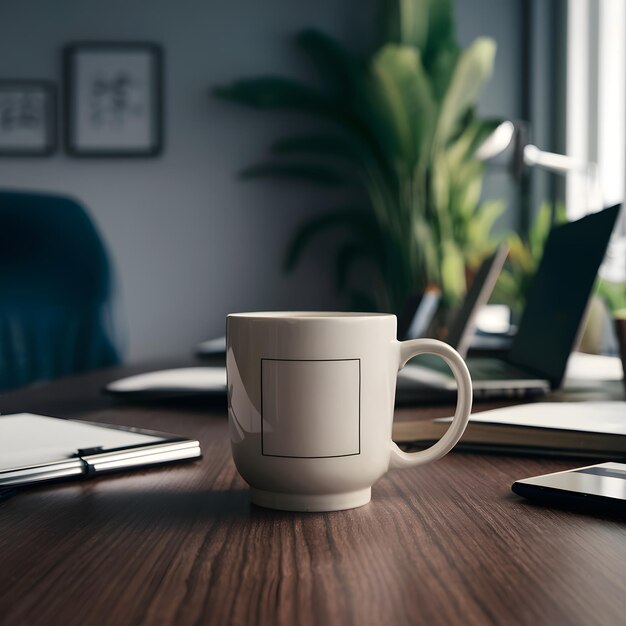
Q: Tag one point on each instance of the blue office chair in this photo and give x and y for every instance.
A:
(55, 290)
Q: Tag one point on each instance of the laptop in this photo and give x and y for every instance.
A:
(550, 325)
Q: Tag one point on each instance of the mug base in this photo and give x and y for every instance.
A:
(311, 503)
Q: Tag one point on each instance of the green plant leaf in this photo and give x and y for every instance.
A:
(519, 254)
(426, 244)
(614, 296)
(272, 92)
(332, 145)
(506, 291)
(318, 174)
(413, 17)
(560, 214)
(471, 138)
(354, 153)
(479, 236)
(540, 230)
(440, 185)
(406, 101)
(525, 256)
(440, 69)
(452, 272)
(440, 27)
(339, 69)
(388, 21)
(465, 198)
(473, 69)
(278, 93)
(348, 86)
(357, 222)
(487, 214)
(484, 129)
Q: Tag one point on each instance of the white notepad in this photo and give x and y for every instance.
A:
(590, 417)
(27, 439)
(36, 448)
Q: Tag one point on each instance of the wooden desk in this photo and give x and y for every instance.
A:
(443, 544)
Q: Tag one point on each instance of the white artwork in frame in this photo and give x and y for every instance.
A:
(27, 118)
(113, 99)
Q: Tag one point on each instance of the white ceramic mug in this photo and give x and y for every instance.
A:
(310, 405)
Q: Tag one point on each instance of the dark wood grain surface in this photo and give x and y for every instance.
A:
(446, 544)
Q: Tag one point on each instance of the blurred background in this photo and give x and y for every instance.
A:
(189, 241)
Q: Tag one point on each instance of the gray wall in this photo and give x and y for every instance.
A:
(189, 242)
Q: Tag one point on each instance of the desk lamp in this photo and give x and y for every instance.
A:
(513, 138)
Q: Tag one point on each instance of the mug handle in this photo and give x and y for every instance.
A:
(409, 349)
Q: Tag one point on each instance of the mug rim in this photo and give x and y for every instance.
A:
(309, 315)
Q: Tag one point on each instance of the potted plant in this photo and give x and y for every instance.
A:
(525, 254)
(399, 131)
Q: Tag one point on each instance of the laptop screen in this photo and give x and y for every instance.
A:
(558, 296)
(464, 324)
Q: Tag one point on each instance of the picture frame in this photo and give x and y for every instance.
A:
(113, 99)
(28, 118)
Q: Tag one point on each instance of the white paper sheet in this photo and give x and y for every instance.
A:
(595, 417)
(593, 367)
(27, 439)
(209, 379)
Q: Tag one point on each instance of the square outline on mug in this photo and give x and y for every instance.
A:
(325, 456)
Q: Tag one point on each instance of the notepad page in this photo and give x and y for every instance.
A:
(593, 417)
(27, 439)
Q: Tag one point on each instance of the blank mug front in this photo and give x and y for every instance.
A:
(311, 399)
(298, 421)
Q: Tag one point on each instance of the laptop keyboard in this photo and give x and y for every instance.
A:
(482, 368)
(496, 369)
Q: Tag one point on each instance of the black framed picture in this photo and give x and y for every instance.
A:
(113, 99)
(28, 118)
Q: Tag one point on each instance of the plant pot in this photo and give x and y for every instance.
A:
(620, 331)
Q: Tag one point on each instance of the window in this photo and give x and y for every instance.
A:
(596, 102)
(596, 113)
